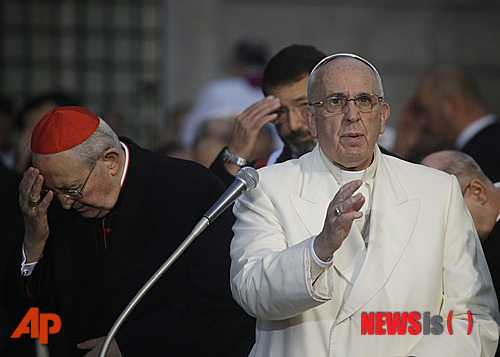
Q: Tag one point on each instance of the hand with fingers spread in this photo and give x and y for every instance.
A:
(342, 211)
(247, 128)
(34, 210)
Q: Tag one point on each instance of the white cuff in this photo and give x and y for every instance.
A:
(320, 262)
(27, 268)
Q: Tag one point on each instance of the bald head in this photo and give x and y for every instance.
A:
(480, 195)
(448, 100)
(457, 163)
(452, 80)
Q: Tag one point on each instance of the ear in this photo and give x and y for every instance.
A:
(477, 192)
(111, 158)
(385, 111)
(308, 117)
(451, 104)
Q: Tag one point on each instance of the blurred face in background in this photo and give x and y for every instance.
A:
(291, 127)
(431, 115)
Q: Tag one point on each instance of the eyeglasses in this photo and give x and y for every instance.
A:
(284, 113)
(336, 105)
(72, 194)
(465, 189)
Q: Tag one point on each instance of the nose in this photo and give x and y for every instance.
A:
(351, 113)
(295, 120)
(66, 202)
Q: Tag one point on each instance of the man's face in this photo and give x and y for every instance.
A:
(291, 127)
(63, 172)
(347, 138)
(431, 114)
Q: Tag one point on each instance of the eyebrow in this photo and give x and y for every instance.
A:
(63, 187)
(300, 100)
(67, 187)
(342, 94)
(73, 186)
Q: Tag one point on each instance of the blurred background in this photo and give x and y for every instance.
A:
(141, 64)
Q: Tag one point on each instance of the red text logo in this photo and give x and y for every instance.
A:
(38, 325)
(401, 323)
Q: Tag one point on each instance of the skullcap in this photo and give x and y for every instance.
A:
(63, 128)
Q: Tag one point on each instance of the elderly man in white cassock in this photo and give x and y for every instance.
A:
(344, 233)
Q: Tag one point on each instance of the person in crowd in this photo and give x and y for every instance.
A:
(173, 122)
(120, 212)
(229, 95)
(12, 225)
(346, 232)
(284, 85)
(7, 131)
(212, 135)
(413, 141)
(481, 197)
(451, 114)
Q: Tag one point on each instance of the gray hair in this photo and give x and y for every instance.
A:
(102, 139)
(312, 77)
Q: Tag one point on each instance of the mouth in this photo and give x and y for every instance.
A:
(304, 138)
(352, 136)
(299, 136)
(80, 209)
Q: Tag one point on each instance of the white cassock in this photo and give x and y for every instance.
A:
(421, 254)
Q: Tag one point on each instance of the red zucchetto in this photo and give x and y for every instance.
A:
(63, 128)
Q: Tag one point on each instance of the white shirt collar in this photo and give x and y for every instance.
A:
(343, 176)
(472, 129)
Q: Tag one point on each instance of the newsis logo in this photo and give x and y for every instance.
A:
(402, 323)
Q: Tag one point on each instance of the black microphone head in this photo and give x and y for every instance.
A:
(249, 176)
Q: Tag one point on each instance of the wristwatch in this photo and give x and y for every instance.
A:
(233, 159)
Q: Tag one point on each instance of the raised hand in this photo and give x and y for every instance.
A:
(248, 126)
(342, 211)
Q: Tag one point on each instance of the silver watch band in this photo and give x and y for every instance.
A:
(228, 157)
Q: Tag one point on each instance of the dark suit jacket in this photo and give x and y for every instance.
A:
(484, 147)
(189, 312)
(491, 248)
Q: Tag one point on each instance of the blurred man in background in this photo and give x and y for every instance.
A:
(284, 84)
(447, 111)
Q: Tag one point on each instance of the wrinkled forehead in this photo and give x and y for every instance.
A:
(59, 164)
(344, 75)
(341, 64)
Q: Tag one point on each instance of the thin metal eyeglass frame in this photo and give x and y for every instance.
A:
(70, 193)
(347, 100)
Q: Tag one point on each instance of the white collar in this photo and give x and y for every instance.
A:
(472, 129)
(125, 166)
(344, 176)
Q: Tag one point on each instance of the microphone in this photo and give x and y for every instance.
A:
(247, 178)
